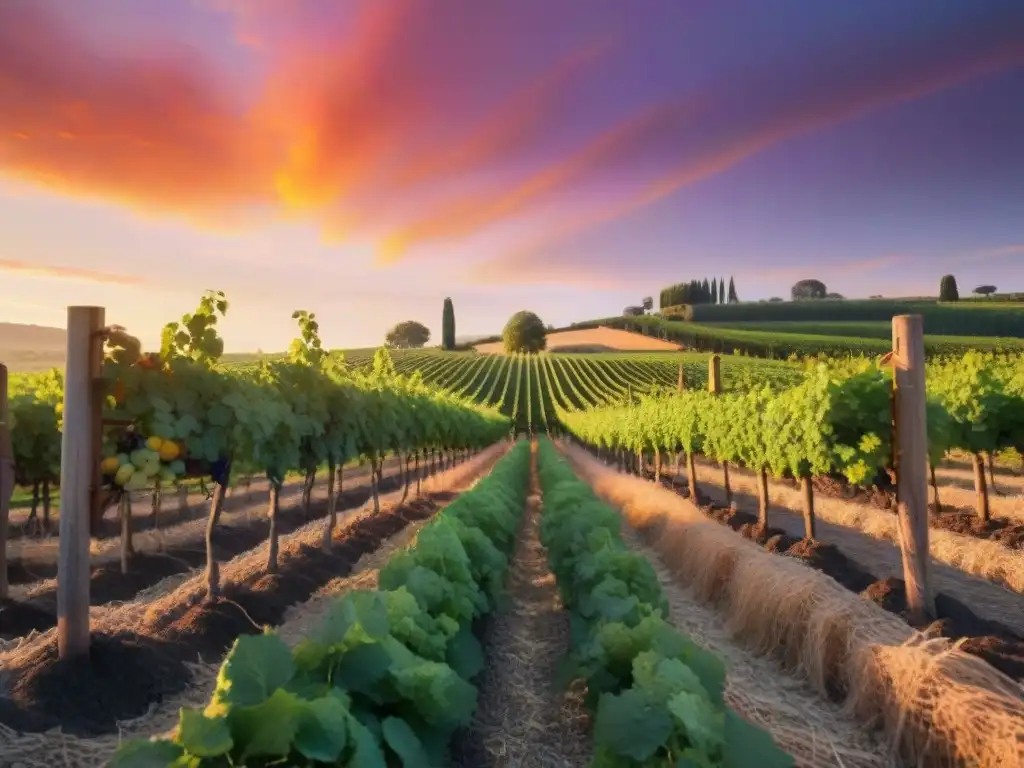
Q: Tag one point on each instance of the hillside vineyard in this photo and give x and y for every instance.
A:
(395, 567)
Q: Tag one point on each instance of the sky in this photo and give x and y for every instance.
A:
(364, 159)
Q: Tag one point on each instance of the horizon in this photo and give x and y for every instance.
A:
(364, 161)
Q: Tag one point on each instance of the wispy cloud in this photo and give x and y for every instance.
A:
(985, 254)
(371, 117)
(66, 273)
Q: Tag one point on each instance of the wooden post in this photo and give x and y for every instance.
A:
(911, 459)
(715, 374)
(715, 388)
(79, 476)
(981, 488)
(681, 379)
(6, 480)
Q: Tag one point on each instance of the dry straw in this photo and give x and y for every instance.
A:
(937, 705)
(816, 732)
(522, 718)
(985, 558)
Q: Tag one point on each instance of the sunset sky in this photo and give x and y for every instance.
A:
(363, 159)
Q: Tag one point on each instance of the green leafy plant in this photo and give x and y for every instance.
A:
(658, 697)
(385, 679)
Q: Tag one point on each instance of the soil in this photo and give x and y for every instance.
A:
(611, 339)
(121, 677)
(125, 675)
(1006, 532)
(966, 522)
(230, 540)
(169, 516)
(997, 644)
(882, 496)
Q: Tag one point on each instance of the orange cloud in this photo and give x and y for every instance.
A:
(472, 214)
(361, 104)
(146, 133)
(506, 130)
(67, 273)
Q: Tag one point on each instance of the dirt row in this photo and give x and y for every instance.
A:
(977, 571)
(44, 750)
(996, 638)
(140, 655)
(170, 515)
(108, 584)
(523, 719)
(956, 511)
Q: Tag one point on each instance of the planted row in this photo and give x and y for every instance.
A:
(658, 697)
(837, 420)
(385, 680)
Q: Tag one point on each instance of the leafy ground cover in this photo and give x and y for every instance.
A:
(657, 696)
(386, 679)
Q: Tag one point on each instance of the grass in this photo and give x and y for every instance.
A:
(774, 342)
(974, 318)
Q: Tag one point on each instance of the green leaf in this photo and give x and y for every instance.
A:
(366, 750)
(747, 746)
(465, 654)
(204, 736)
(267, 729)
(256, 666)
(631, 724)
(323, 729)
(404, 743)
(702, 725)
(146, 754)
(362, 669)
(219, 415)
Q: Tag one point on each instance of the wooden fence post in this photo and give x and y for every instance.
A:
(715, 388)
(715, 374)
(910, 442)
(79, 475)
(6, 479)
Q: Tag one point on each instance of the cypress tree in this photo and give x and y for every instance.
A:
(721, 290)
(448, 326)
(714, 290)
(948, 290)
(733, 298)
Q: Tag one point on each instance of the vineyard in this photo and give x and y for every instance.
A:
(533, 389)
(325, 559)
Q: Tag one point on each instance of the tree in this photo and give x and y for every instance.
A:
(448, 325)
(714, 290)
(524, 332)
(733, 297)
(835, 296)
(647, 303)
(948, 290)
(407, 335)
(632, 311)
(721, 290)
(809, 289)
(985, 290)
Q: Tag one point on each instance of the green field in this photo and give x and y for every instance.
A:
(780, 339)
(532, 388)
(965, 318)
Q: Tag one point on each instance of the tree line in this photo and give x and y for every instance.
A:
(699, 292)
